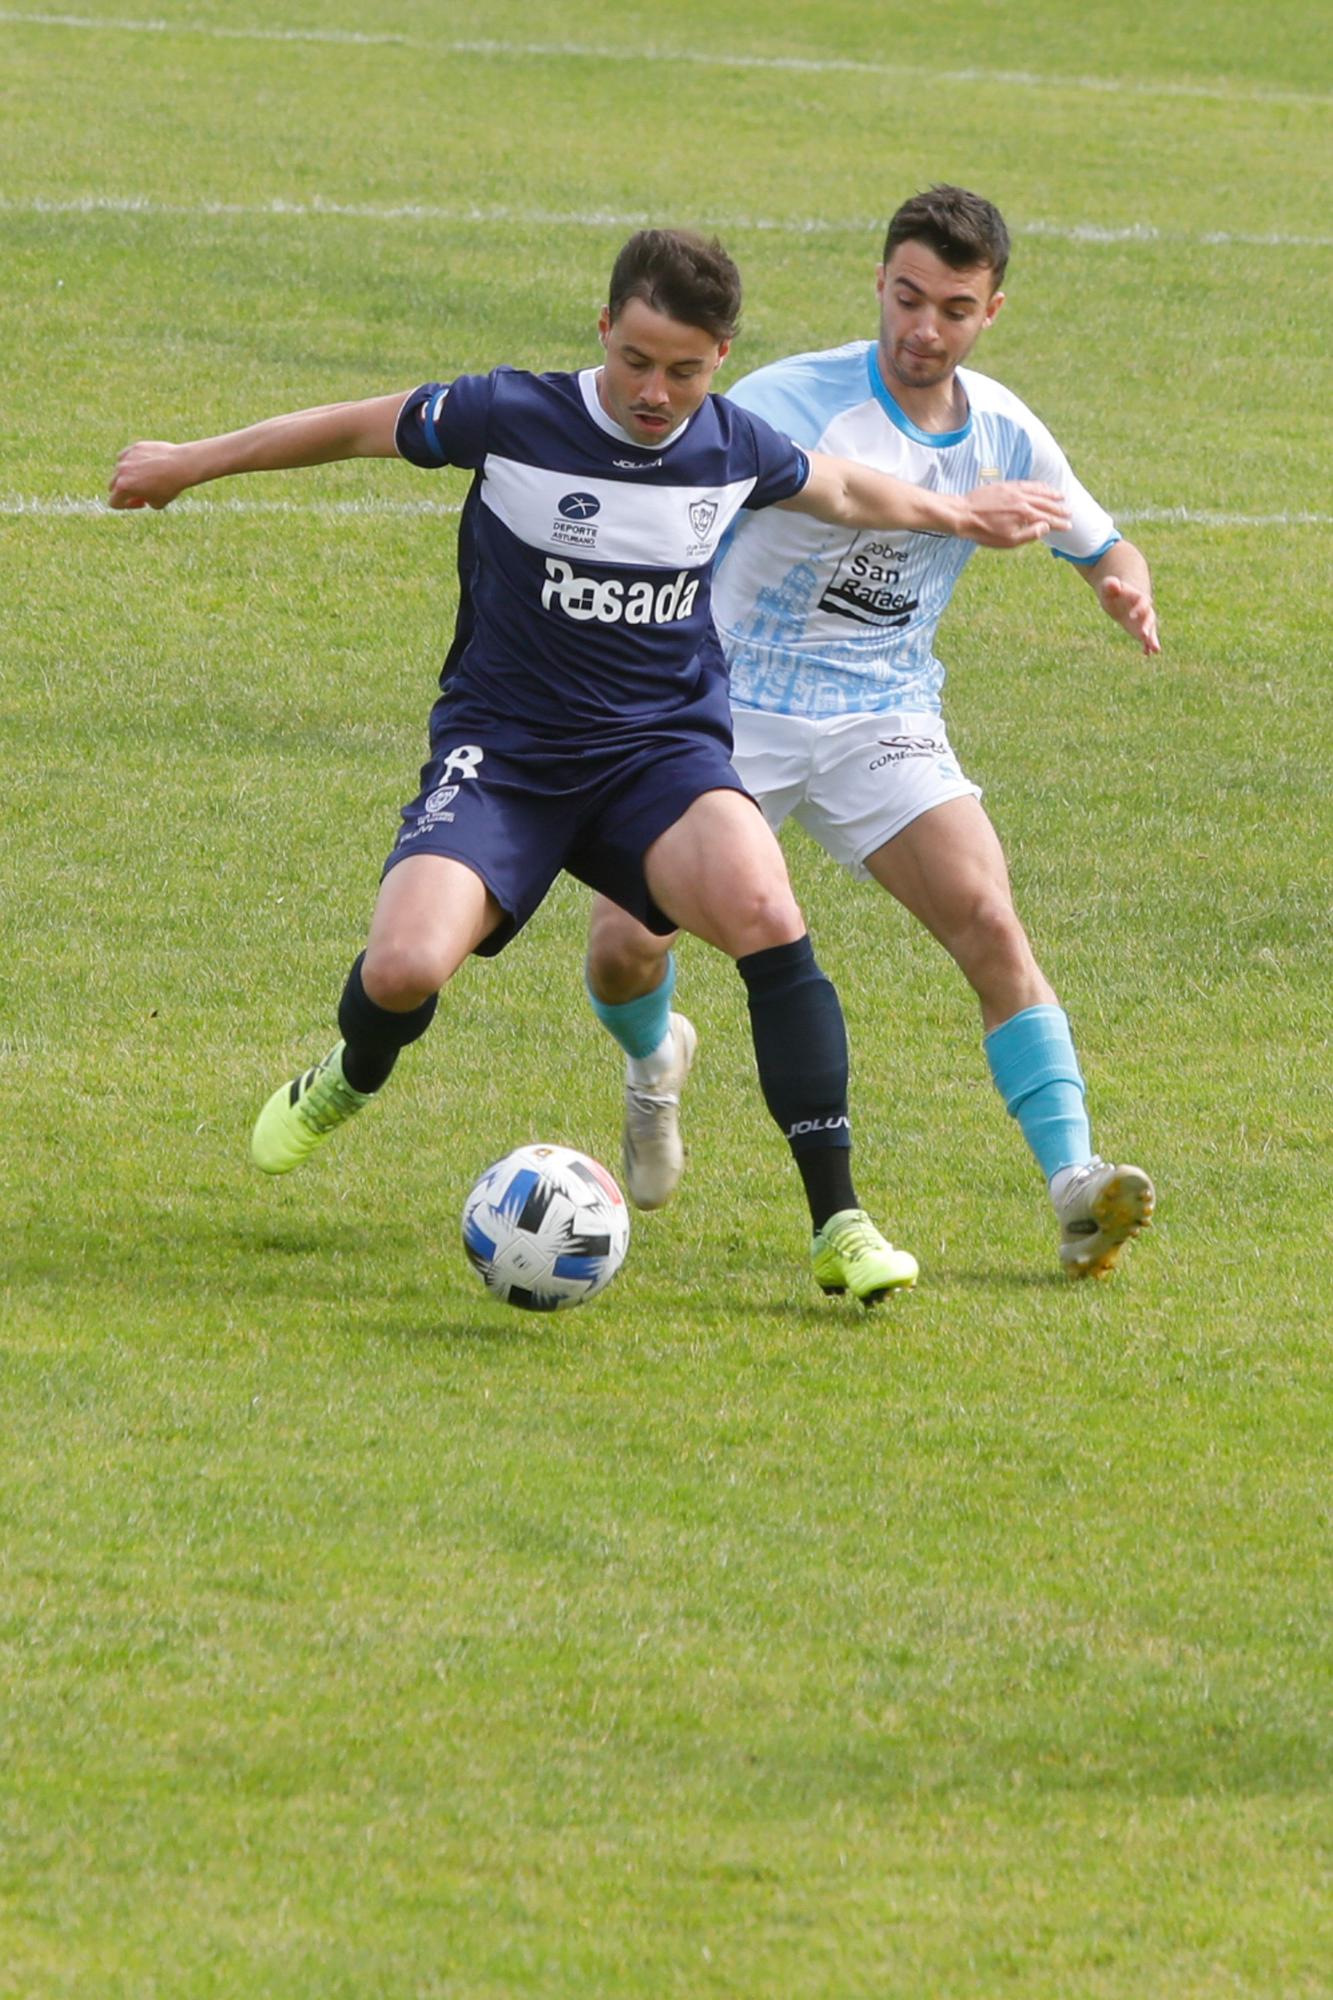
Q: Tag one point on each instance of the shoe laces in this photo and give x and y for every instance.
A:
(1074, 1222)
(650, 1101)
(327, 1102)
(855, 1233)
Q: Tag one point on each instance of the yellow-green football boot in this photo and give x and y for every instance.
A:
(301, 1115)
(850, 1255)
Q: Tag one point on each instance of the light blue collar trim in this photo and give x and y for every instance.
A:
(899, 417)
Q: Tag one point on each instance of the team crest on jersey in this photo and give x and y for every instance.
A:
(703, 513)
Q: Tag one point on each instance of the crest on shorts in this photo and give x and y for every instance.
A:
(703, 513)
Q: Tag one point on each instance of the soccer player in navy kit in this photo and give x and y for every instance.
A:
(583, 720)
(829, 636)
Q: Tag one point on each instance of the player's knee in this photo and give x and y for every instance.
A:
(401, 972)
(762, 914)
(992, 939)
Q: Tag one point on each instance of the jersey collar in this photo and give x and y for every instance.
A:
(592, 403)
(899, 418)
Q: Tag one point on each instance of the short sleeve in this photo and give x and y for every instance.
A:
(1091, 531)
(781, 467)
(446, 423)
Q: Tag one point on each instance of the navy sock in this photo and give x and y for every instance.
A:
(373, 1034)
(800, 1046)
(827, 1179)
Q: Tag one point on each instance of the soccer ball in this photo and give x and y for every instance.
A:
(545, 1227)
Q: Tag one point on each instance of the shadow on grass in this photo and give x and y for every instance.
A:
(941, 1275)
(828, 1313)
(491, 1328)
(221, 1260)
(158, 1269)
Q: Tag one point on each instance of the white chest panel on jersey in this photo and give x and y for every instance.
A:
(606, 521)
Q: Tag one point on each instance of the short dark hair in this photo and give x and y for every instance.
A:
(688, 277)
(961, 228)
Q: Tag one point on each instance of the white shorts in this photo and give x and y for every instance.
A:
(852, 781)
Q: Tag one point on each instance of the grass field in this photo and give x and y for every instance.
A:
(359, 1638)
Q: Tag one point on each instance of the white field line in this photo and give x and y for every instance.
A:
(1008, 79)
(1209, 517)
(73, 505)
(76, 504)
(464, 214)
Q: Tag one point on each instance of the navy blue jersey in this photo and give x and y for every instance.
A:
(584, 558)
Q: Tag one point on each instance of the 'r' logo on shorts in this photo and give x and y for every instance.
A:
(461, 762)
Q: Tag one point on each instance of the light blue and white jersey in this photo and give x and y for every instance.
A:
(820, 621)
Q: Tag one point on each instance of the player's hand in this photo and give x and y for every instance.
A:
(148, 474)
(1133, 609)
(1015, 511)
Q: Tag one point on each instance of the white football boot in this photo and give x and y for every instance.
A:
(1099, 1209)
(651, 1149)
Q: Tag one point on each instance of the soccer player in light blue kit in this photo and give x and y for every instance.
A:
(582, 721)
(835, 691)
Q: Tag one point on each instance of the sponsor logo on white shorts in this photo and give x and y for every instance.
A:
(898, 748)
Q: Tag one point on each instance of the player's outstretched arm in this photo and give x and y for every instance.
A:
(1003, 516)
(1124, 590)
(152, 473)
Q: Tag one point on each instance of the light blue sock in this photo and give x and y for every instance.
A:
(641, 1025)
(1032, 1061)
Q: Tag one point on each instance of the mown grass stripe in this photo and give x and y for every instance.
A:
(75, 505)
(599, 218)
(1225, 92)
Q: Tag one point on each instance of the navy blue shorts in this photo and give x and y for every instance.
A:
(517, 807)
